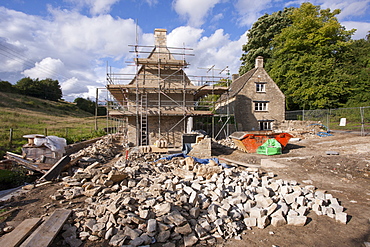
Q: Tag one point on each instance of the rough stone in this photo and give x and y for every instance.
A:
(190, 240)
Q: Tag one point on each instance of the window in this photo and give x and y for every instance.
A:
(260, 87)
(265, 125)
(260, 105)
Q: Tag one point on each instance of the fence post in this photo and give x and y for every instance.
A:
(66, 132)
(45, 131)
(362, 121)
(10, 136)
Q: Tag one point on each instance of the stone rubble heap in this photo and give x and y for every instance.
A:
(102, 150)
(227, 142)
(180, 202)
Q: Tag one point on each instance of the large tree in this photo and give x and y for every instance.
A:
(45, 89)
(260, 38)
(358, 66)
(308, 59)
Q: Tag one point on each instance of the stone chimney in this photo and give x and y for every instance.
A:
(235, 76)
(160, 36)
(259, 62)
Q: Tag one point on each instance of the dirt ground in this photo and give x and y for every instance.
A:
(346, 176)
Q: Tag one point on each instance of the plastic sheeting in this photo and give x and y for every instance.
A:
(270, 147)
(56, 144)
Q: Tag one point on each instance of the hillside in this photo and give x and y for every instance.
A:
(61, 108)
(21, 115)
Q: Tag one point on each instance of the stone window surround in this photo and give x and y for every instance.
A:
(260, 105)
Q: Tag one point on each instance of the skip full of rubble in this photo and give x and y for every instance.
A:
(139, 201)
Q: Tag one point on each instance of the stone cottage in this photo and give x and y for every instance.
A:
(254, 99)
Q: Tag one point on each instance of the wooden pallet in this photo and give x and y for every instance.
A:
(30, 233)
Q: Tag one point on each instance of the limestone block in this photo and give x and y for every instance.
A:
(196, 186)
(262, 222)
(341, 217)
(162, 209)
(296, 220)
(278, 221)
(271, 209)
(256, 212)
(200, 231)
(176, 218)
(185, 229)
(250, 222)
(193, 198)
(337, 208)
(117, 176)
(302, 210)
(194, 212)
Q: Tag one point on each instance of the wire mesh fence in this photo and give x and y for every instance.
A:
(341, 119)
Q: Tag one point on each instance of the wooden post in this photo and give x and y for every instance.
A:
(45, 131)
(66, 132)
(96, 109)
(10, 136)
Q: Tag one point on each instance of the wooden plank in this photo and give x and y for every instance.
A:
(20, 233)
(45, 234)
(239, 163)
(28, 164)
(57, 168)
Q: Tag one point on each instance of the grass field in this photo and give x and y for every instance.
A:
(27, 115)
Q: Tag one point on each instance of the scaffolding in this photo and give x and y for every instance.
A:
(160, 91)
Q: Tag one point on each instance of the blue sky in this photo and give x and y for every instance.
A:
(74, 40)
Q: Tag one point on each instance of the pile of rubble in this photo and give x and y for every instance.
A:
(227, 142)
(102, 150)
(180, 202)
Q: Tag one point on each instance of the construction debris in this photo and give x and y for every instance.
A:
(137, 201)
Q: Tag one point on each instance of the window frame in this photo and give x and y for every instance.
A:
(265, 124)
(260, 87)
(261, 106)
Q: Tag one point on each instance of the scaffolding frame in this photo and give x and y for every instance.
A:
(126, 85)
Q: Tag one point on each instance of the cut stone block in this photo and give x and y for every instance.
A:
(263, 222)
(250, 222)
(296, 220)
(278, 221)
(341, 217)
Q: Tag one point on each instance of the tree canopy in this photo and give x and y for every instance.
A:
(45, 89)
(260, 38)
(310, 56)
(89, 106)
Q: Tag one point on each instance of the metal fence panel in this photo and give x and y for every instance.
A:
(344, 119)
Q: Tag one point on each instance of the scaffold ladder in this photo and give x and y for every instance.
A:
(144, 119)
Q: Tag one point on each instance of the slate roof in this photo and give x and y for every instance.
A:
(238, 84)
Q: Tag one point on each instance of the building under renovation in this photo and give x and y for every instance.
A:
(160, 102)
(254, 100)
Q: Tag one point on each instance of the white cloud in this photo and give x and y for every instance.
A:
(47, 68)
(250, 10)
(96, 7)
(362, 28)
(151, 2)
(216, 49)
(194, 11)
